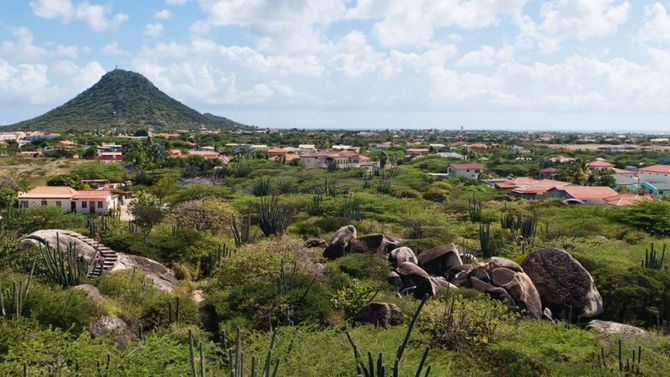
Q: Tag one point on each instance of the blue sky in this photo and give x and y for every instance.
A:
(599, 65)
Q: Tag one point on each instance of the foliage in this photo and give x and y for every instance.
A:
(272, 216)
(212, 216)
(652, 216)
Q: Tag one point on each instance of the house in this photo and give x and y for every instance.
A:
(622, 200)
(110, 147)
(529, 188)
(624, 177)
(548, 173)
(583, 194)
(562, 159)
(659, 140)
(306, 148)
(341, 159)
(600, 164)
(109, 156)
(454, 155)
(275, 152)
(412, 153)
(467, 171)
(655, 174)
(339, 147)
(69, 199)
(657, 189)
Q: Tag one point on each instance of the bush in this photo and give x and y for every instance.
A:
(66, 309)
(213, 216)
(651, 216)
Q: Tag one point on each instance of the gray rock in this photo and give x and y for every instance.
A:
(91, 292)
(615, 328)
(563, 282)
(401, 255)
(339, 244)
(315, 242)
(411, 274)
(113, 326)
(438, 260)
(394, 279)
(373, 243)
(378, 313)
(495, 293)
(504, 262)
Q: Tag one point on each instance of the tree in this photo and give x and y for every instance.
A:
(147, 214)
(383, 159)
(165, 187)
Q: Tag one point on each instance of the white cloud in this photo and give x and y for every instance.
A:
(22, 48)
(656, 26)
(154, 30)
(563, 19)
(163, 14)
(113, 48)
(483, 57)
(97, 17)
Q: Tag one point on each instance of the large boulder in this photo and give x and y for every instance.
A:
(563, 283)
(521, 288)
(411, 274)
(615, 328)
(113, 326)
(373, 243)
(401, 255)
(339, 244)
(438, 260)
(378, 313)
(90, 291)
(88, 251)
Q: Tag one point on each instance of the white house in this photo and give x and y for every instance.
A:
(89, 201)
(467, 171)
(655, 174)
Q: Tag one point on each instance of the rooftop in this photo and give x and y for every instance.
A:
(49, 192)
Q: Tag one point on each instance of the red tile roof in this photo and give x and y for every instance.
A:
(588, 192)
(91, 194)
(656, 169)
(621, 200)
(49, 192)
(601, 164)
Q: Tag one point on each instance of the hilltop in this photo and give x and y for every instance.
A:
(124, 100)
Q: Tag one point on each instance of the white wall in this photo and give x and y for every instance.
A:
(654, 177)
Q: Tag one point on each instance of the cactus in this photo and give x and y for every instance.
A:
(651, 260)
(64, 266)
(316, 207)
(486, 242)
(214, 258)
(352, 208)
(262, 187)
(372, 369)
(630, 367)
(241, 229)
(475, 209)
(330, 187)
(235, 358)
(273, 216)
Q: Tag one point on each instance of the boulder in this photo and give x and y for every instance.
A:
(111, 325)
(521, 288)
(504, 262)
(378, 313)
(315, 242)
(615, 328)
(456, 270)
(339, 244)
(373, 243)
(481, 273)
(394, 279)
(85, 248)
(91, 292)
(438, 260)
(563, 282)
(411, 274)
(548, 315)
(401, 255)
(495, 293)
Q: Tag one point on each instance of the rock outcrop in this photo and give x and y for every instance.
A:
(339, 244)
(401, 255)
(373, 243)
(563, 283)
(378, 313)
(438, 260)
(615, 328)
(90, 251)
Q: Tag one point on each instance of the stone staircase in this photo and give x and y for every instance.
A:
(105, 257)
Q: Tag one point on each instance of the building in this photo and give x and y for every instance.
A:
(657, 189)
(583, 194)
(412, 153)
(655, 174)
(341, 159)
(562, 160)
(110, 147)
(548, 173)
(454, 155)
(621, 200)
(624, 177)
(529, 188)
(69, 199)
(600, 164)
(467, 171)
(109, 156)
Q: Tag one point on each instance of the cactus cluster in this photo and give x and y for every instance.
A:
(378, 369)
(631, 367)
(474, 209)
(64, 266)
(241, 229)
(523, 228)
(215, 257)
(235, 359)
(273, 216)
(352, 208)
(651, 259)
(486, 242)
(262, 187)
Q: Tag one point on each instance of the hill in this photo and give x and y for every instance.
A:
(127, 101)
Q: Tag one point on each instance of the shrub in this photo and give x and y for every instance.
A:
(66, 309)
(213, 216)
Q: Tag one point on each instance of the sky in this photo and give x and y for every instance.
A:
(567, 65)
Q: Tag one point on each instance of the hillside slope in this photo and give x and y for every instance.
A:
(124, 100)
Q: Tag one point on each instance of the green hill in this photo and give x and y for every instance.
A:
(127, 101)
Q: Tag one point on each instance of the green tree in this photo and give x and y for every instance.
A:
(147, 214)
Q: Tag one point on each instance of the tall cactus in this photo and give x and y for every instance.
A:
(651, 260)
(475, 209)
(235, 358)
(64, 266)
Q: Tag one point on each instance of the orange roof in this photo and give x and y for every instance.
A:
(624, 171)
(601, 164)
(525, 185)
(276, 150)
(92, 194)
(49, 192)
(548, 170)
(656, 169)
(588, 192)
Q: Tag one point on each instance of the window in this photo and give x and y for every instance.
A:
(99, 204)
(83, 204)
(24, 204)
(44, 202)
(58, 204)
